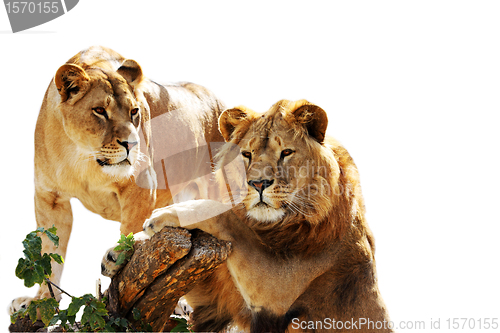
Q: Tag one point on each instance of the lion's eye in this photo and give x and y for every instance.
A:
(286, 152)
(247, 154)
(100, 111)
(134, 111)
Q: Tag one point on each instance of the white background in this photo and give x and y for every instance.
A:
(412, 89)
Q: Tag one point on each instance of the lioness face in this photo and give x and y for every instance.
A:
(287, 170)
(102, 117)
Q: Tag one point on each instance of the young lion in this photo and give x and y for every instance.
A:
(303, 255)
(94, 138)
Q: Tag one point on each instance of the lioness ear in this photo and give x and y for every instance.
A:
(132, 72)
(70, 79)
(314, 119)
(230, 118)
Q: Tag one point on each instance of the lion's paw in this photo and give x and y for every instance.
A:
(18, 304)
(109, 266)
(183, 308)
(162, 217)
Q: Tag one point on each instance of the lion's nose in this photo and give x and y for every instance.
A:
(128, 145)
(261, 185)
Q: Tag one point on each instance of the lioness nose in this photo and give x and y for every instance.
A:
(261, 185)
(128, 145)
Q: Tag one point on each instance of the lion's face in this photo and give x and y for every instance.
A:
(288, 168)
(101, 115)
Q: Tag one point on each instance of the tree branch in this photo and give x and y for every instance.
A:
(163, 269)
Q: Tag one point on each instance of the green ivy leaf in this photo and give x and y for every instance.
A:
(22, 265)
(47, 308)
(136, 313)
(32, 246)
(29, 277)
(88, 298)
(51, 234)
(182, 325)
(39, 274)
(126, 243)
(54, 320)
(101, 308)
(124, 322)
(19, 314)
(62, 316)
(44, 263)
(93, 313)
(32, 311)
(35, 267)
(109, 327)
(86, 315)
(99, 321)
(126, 246)
(123, 257)
(75, 305)
(57, 258)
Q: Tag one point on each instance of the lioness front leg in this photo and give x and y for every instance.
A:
(206, 215)
(51, 208)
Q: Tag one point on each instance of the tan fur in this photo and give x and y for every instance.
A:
(302, 252)
(97, 158)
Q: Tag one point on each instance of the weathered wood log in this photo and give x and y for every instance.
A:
(163, 269)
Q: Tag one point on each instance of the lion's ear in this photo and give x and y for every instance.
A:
(230, 118)
(70, 79)
(132, 72)
(314, 119)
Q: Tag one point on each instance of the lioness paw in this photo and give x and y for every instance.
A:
(18, 304)
(163, 217)
(109, 267)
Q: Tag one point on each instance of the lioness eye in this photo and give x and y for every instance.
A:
(134, 111)
(100, 111)
(247, 154)
(286, 152)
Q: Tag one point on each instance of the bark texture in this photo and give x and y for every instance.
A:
(162, 270)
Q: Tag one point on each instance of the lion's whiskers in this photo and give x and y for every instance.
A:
(294, 207)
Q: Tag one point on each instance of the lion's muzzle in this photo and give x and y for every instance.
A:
(128, 145)
(261, 185)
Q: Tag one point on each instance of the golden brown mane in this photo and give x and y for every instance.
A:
(296, 232)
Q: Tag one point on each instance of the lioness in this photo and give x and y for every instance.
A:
(303, 255)
(93, 142)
